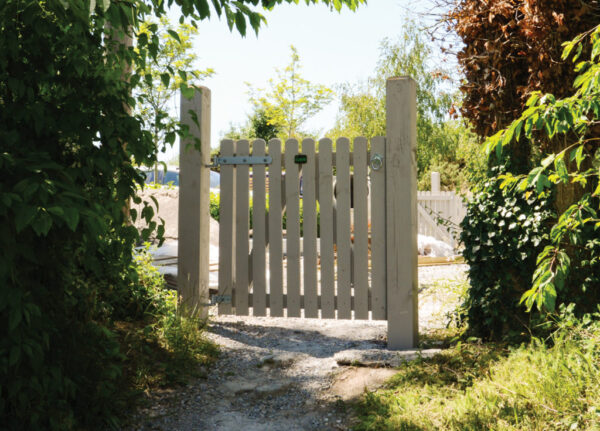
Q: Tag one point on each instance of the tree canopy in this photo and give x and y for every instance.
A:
(291, 100)
(443, 144)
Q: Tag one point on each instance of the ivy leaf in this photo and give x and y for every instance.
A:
(14, 318)
(15, 355)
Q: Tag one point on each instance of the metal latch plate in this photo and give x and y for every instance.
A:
(243, 160)
(220, 299)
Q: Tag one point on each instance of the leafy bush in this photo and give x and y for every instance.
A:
(502, 232)
(68, 150)
(567, 268)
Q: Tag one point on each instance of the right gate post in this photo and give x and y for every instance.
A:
(401, 213)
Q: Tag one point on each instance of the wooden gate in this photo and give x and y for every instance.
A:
(303, 246)
(329, 261)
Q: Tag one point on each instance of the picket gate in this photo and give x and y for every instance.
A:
(329, 262)
(332, 263)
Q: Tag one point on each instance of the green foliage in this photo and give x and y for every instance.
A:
(258, 126)
(161, 79)
(163, 347)
(502, 233)
(441, 143)
(67, 150)
(461, 163)
(474, 387)
(215, 200)
(262, 127)
(290, 101)
(573, 248)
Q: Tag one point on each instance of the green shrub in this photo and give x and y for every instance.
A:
(502, 233)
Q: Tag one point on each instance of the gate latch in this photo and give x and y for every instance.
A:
(242, 160)
(220, 299)
(376, 161)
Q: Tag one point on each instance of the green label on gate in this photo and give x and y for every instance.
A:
(300, 158)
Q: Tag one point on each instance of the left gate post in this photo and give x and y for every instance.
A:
(194, 199)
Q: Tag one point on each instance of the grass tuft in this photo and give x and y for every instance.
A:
(540, 386)
(161, 347)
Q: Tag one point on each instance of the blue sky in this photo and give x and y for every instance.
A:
(333, 47)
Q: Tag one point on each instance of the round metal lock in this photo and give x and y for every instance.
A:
(376, 161)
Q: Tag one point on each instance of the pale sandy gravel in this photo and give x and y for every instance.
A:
(240, 394)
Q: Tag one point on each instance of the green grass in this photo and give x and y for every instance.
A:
(161, 347)
(470, 386)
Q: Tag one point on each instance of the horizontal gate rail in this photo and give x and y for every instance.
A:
(302, 301)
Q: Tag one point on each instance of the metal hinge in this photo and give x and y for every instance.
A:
(241, 160)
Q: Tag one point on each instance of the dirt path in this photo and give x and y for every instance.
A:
(279, 374)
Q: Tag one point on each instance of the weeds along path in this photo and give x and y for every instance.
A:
(282, 374)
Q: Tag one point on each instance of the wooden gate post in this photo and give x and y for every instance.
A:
(401, 213)
(194, 199)
(435, 182)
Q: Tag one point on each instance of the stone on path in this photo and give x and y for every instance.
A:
(352, 382)
(236, 387)
(282, 360)
(381, 358)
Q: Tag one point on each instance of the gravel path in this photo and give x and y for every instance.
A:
(278, 374)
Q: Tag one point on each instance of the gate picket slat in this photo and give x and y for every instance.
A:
(275, 231)
(326, 231)
(343, 228)
(258, 232)
(361, 251)
(292, 202)
(241, 235)
(227, 228)
(309, 228)
(378, 250)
